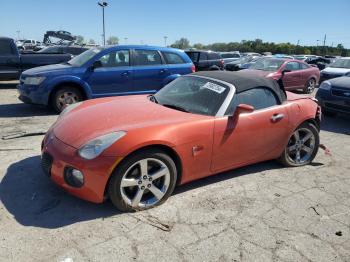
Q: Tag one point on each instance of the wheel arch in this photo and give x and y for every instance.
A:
(67, 83)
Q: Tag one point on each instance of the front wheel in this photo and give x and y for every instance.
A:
(65, 96)
(143, 181)
(302, 146)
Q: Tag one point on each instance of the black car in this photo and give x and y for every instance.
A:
(320, 62)
(206, 60)
(12, 63)
(62, 49)
(334, 95)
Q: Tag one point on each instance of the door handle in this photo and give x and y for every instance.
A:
(277, 117)
(126, 73)
(162, 71)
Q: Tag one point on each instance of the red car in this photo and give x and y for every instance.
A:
(294, 73)
(136, 149)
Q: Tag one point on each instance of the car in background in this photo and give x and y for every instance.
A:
(230, 56)
(250, 54)
(136, 149)
(283, 56)
(303, 57)
(103, 71)
(338, 68)
(242, 63)
(63, 49)
(206, 60)
(333, 95)
(319, 61)
(12, 62)
(294, 74)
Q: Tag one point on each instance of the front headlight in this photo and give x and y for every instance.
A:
(325, 86)
(34, 80)
(95, 147)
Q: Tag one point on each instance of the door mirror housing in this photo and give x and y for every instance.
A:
(242, 108)
(285, 71)
(95, 65)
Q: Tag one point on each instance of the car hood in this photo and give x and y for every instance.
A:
(254, 72)
(47, 69)
(335, 70)
(343, 82)
(101, 116)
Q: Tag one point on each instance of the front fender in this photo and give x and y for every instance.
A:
(69, 79)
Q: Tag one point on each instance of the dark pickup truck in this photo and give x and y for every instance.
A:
(206, 60)
(12, 63)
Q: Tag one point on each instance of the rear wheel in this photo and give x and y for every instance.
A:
(143, 181)
(302, 146)
(65, 96)
(310, 86)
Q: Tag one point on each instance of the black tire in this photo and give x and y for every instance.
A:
(310, 86)
(285, 159)
(55, 102)
(114, 185)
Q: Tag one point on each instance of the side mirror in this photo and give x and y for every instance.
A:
(95, 65)
(243, 108)
(285, 71)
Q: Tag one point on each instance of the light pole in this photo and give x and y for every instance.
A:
(165, 38)
(103, 5)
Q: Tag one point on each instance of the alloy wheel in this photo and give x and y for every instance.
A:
(65, 99)
(301, 146)
(145, 183)
(311, 86)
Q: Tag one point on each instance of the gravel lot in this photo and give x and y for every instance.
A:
(259, 213)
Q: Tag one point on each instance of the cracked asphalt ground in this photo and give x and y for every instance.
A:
(259, 213)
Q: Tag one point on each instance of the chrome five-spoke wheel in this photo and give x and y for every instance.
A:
(142, 181)
(302, 146)
(145, 183)
(311, 85)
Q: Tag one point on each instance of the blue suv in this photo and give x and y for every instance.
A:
(103, 71)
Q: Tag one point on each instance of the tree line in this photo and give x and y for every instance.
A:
(260, 46)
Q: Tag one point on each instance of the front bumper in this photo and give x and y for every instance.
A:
(333, 103)
(32, 94)
(56, 156)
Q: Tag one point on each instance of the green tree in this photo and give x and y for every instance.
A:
(79, 39)
(112, 40)
(182, 43)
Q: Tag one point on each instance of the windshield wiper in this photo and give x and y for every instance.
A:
(153, 99)
(176, 107)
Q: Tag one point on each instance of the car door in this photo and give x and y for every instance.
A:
(250, 137)
(291, 77)
(305, 73)
(150, 71)
(114, 76)
(203, 63)
(9, 60)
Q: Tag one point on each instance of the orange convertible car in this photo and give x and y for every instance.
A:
(136, 149)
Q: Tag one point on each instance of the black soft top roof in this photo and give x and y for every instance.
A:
(243, 82)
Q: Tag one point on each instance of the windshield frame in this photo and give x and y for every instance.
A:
(225, 104)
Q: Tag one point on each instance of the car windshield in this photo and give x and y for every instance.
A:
(341, 63)
(267, 64)
(193, 94)
(84, 57)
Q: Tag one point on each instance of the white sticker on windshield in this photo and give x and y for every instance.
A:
(214, 87)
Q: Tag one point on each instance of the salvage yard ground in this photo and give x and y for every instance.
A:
(259, 213)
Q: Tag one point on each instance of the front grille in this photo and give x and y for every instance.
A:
(46, 163)
(338, 107)
(341, 93)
